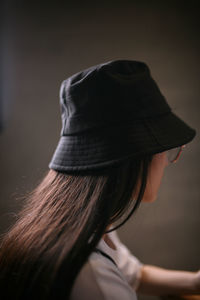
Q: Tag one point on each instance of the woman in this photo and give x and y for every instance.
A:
(117, 132)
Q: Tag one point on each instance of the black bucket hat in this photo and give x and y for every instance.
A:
(113, 111)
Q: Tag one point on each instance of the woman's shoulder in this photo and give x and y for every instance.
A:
(100, 279)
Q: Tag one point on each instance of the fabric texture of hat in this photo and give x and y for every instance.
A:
(113, 111)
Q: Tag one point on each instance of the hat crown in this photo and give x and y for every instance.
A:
(112, 92)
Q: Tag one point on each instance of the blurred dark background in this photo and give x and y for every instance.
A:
(44, 43)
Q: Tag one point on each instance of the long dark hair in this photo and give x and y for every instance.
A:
(61, 223)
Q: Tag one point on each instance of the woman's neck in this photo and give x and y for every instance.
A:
(109, 242)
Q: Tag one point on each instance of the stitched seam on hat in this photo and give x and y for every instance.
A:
(157, 115)
(152, 132)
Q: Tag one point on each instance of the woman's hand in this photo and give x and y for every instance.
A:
(197, 281)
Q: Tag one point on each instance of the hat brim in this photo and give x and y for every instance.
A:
(112, 144)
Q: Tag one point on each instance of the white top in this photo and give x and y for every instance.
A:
(101, 279)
